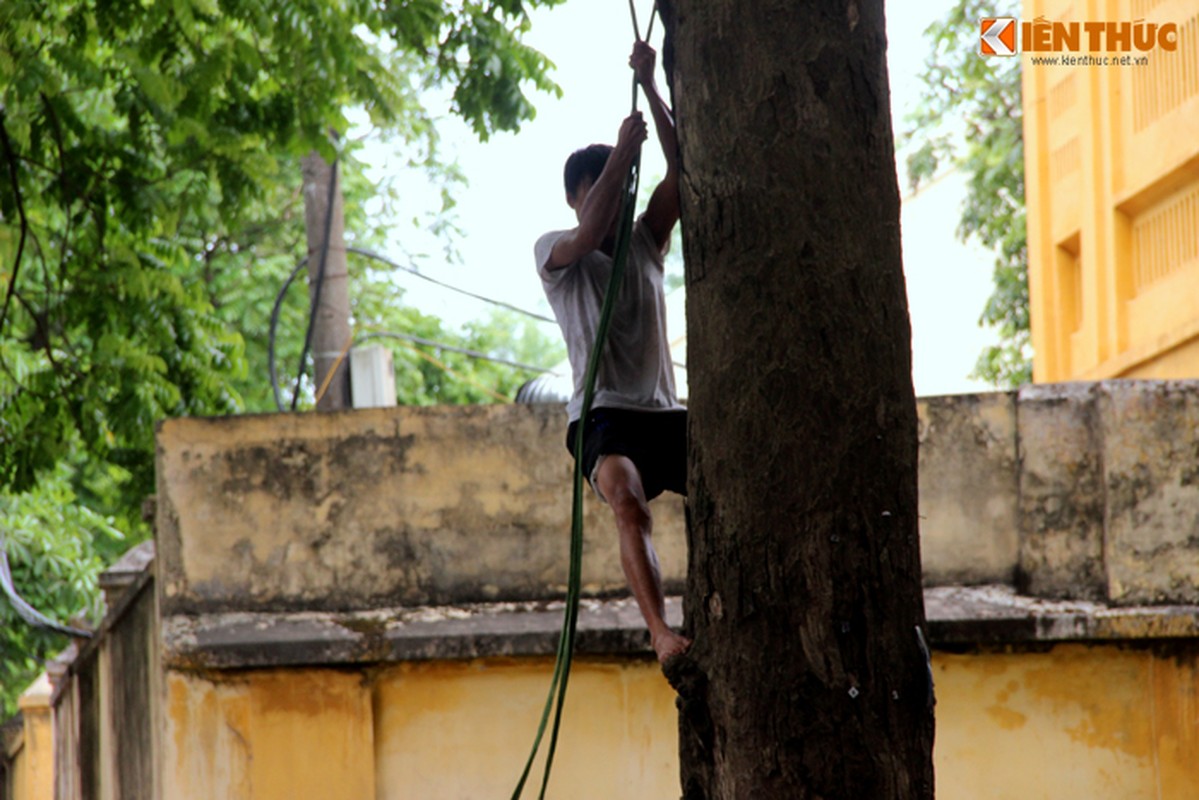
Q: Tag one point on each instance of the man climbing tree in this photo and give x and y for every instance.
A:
(808, 676)
(634, 442)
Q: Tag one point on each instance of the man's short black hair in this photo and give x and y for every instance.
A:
(587, 162)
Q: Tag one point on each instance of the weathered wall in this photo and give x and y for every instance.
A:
(1083, 491)
(270, 735)
(1111, 470)
(1061, 492)
(618, 735)
(1067, 490)
(401, 506)
(26, 757)
(107, 709)
(1151, 478)
(1100, 722)
(433, 731)
(1105, 722)
(1071, 490)
(969, 530)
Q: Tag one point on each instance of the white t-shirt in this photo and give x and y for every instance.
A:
(636, 371)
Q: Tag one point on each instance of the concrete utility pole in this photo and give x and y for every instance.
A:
(331, 314)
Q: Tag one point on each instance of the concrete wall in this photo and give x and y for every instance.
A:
(1067, 490)
(106, 705)
(401, 506)
(1151, 478)
(27, 748)
(428, 731)
(968, 478)
(1074, 490)
(1103, 722)
(1110, 715)
(301, 650)
(269, 734)
(1073, 722)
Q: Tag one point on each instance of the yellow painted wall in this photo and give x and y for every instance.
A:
(1112, 189)
(1075, 722)
(464, 731)
(33, 767)
(433, 731)
(268, 735)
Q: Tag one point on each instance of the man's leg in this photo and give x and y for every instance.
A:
(620, 483)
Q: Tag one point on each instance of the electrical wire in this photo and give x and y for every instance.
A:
(450, 370)
(272, 372)
(409, 341)
(451, 348)
(371, 254)
(27, 612)
(272, 369)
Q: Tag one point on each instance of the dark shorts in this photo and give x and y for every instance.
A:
(655, 441)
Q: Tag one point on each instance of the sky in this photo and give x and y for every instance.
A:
(515, 188)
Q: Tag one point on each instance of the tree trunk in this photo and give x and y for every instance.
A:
(808, 677)
(331, 314)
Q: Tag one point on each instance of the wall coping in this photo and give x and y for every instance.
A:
(958, 616)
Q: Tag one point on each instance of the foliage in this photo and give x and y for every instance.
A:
(970, 116)
(59, 543)
(149, 208)
(122, 158)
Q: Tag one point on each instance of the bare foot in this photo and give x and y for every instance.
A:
(668, 643)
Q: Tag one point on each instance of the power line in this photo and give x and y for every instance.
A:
(275, 310)
(371, 254)
(437, 362)
(452, 348)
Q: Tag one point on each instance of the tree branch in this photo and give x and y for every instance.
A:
(41, 331)
(62, 166)
(11, 159)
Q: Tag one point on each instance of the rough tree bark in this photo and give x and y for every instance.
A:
(807, 678)
(331, 322)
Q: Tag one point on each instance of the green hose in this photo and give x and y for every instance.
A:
(557, 694)
(566, 641)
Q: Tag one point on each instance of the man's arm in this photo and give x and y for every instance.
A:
(663, 210)
(601, 203)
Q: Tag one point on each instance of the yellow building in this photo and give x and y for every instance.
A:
(1112, 188)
